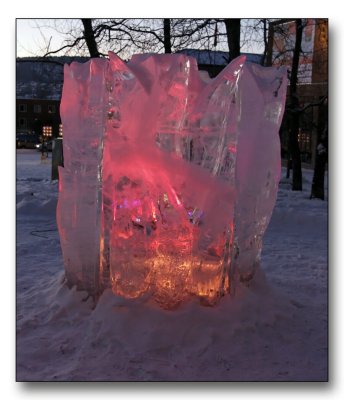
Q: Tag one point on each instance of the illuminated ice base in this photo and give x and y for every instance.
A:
(169, 177)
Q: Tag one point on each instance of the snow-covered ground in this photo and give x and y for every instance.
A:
(276, 330)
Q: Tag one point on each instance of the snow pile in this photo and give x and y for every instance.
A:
(274, 330)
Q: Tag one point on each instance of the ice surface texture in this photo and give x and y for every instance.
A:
(169, 177)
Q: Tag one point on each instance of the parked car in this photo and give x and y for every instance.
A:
(26, 141)
(49, 146)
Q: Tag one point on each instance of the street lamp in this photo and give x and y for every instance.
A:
(61, 130)
(47, 133)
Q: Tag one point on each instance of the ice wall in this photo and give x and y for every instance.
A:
(169, 179)
(80, 183)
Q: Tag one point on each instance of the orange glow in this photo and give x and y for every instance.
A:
(101, 263)
(177, 278)
(231, 233)
(125, 234)
(168, 265)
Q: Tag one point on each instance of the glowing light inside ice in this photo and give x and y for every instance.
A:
(169, 179)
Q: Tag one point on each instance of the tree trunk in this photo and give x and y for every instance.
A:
(89, 37)
(321, 154)
(319, 173)
(233, 37)
(167, 35)
(266, 42)
(295, 152)
(289, 162)
(294, 120)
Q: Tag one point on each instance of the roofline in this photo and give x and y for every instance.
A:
(281, 21)
(25, 98)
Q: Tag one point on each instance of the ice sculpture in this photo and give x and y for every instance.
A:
(169, 179)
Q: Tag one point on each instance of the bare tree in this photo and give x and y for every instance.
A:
(90, 38)
(296, 115)
(128, 36)
(321, 155)
(233, 36)
(265, 39)
(167, 35)
(289, 51)
(294, 109)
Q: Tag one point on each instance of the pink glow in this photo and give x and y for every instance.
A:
(153, 211)
(193, 164)
(176, 197)
(232, 149)
(114, 210)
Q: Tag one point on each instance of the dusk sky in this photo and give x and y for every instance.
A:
(33, 36)
(31, 40)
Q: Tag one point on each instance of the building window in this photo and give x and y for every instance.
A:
(22, 122)
(37, 108)
(47, 132)
(51, 109)
(22, 108)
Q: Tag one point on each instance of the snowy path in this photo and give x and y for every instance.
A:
(275, 330)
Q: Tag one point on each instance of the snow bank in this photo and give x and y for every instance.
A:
(274, 330)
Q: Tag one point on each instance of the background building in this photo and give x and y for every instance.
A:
(33, 114)
(312, 78)
(38, 93)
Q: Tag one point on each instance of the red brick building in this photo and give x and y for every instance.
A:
(312, 77)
